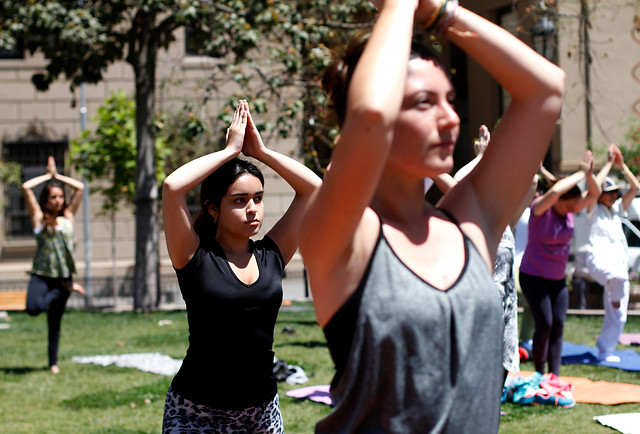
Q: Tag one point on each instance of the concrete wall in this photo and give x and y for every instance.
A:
(613, 88)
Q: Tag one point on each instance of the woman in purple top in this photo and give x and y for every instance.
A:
(542, 271)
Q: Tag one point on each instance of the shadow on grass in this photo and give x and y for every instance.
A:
(154, 341)
(116, 398)
(306, 344)
(22, 370)
(302, 322)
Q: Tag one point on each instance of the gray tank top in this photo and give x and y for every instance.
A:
(420, 359)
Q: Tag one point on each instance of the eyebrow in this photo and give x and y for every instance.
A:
(244, 194)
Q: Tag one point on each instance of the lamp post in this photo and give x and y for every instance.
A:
(85, 199)
(543, 41)
(542, 37)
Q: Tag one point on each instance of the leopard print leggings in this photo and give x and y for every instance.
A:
(182, 415)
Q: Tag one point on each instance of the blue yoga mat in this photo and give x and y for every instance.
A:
(584, 354)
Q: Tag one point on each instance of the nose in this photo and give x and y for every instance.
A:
(253, 206)
(448, 116)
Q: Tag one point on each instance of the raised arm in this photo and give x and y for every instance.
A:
(490, 196)
(77, 186)
(548, 176)
(604, 172)
(563, 185)
(286, 232)
(590, 197)
(182, 240)
(373, 102)
(634, 184)
(31, 202)
(33, 207)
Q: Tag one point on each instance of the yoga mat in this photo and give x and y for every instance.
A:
(584, 354)
(598, 392)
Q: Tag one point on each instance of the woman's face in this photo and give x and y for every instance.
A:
(241, 209)
(56, 198)
(427, 127)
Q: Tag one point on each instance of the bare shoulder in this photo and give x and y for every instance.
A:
(333, 282)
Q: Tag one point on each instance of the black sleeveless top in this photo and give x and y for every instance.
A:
(229, 362)
(411, 358)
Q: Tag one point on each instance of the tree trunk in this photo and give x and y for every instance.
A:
(146, 281)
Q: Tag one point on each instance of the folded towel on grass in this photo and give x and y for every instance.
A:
(319, 393)
(628, 423)
(155, 363)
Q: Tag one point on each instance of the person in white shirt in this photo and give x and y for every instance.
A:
(607, 251)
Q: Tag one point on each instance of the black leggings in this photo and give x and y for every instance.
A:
(548, 300)
(49, 294)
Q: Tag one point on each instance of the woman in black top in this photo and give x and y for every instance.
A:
(232, 286)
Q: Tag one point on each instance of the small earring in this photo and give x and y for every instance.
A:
(215, 220)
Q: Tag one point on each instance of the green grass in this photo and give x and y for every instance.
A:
(94, 399)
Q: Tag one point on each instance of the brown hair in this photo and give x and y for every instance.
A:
(337, 77)
(49, 214)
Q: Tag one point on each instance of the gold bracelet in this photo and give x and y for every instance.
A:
(433, 19)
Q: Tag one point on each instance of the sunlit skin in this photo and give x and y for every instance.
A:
(241, 210)
(427, 126)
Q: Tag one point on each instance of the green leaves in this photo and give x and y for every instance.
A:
(10, 173)
(275, 50)
(107, 155)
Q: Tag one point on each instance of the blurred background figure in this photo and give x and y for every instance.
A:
(607, 256)
(52, 219)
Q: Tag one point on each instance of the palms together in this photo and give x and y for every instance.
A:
(243, 135)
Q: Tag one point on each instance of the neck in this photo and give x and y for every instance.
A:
(232, 245)
(400, 200)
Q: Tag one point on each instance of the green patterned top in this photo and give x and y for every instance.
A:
(54, 251)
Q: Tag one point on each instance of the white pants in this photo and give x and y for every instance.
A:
(614, 318)
(615, 280)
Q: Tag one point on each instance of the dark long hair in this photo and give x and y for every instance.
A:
(573, 193)
(49, 214)
(214, 187)
(337, 77)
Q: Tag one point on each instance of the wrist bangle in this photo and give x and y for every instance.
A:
(447, 16)
(435, 16)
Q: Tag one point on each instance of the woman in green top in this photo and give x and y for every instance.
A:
(53, 263)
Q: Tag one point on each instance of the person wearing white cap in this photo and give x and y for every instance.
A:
(607, 251)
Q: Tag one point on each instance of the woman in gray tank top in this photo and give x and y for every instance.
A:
(409, 283)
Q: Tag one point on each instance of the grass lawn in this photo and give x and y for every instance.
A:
(95, 399)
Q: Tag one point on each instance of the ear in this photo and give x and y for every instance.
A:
(212, 210)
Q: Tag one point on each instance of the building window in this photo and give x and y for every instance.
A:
(16, 53)
(32, 152)
(196, 43)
